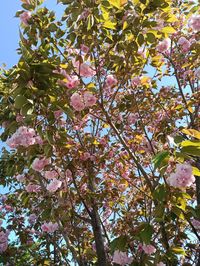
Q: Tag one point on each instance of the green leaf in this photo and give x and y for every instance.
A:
(191, 150)
(151, 37)
(160, 193)
(146, 233)
(157, 160)
(49, 136)
(27, 109)
(176, 210)
(118, 243)
(20, 100)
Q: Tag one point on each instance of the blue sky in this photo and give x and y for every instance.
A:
(9, 29)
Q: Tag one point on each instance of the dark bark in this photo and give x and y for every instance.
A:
(96, 222)
(198, 198)
(99, 241)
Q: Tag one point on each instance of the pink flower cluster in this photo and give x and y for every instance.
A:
(194, 22)
(3, 241)
(110, 81)
(32, 218)
(25, 17)
(84, 48)
(184, 43)
(196, 224)
(72, 82)
(136, 81)
(51, 174)
(148, 249)
(161, 264)
(20, 178)
(84, 70)
(54, 185)
(121, 258)
(39, 164)
(182, 177)
(32, 188)
(79, 103)
(133, 118)
(24, 136)
(49, 227)
(164, 45)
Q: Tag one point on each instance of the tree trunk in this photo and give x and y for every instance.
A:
(96, 223)
(198, 198)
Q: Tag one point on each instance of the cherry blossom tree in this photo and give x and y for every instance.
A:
(100, 119)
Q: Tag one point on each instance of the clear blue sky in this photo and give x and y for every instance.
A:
(9, 29)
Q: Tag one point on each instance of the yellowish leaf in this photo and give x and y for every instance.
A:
(118, 3)
(109, 25)
(168, 30)
(195, 171)
(63, 66)
(192, 132)
(95, 142)
(125, 25)
(52, 98)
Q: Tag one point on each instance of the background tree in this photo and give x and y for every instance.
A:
(101, 121)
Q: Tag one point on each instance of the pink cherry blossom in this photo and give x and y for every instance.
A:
(51, 174)
(84, 48)
(184, 43)
(20, 178)
(182, 177)
(32, 218)
(161, 264)
(49, 227)
(148, 249)
(3, 241)
(89, 99)
(194, 22)
(84, 70)
(24, 136)
(54, 185)
(77, 102)
(132, 118)
(164, 45)
(121, 258)
(136, 81)
(197, 73)
(111, 81)
(196, 224)
(39, 164)
(32, 188)
(85, 156)
(24, 17)
(72, 82)
(58, 114)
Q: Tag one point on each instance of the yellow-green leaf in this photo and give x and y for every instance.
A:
(178, 250)
(190, 143)
(168, 30)
(109, 25)
(192, 132)
(195, 171)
